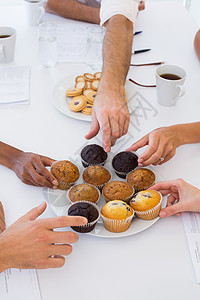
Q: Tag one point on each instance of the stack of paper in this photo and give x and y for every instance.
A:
(14, 85)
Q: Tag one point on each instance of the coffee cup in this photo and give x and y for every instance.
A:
(7, 44)
(34, 11)
(169, 84)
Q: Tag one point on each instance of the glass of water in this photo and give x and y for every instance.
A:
(95, 36)
(47, 44)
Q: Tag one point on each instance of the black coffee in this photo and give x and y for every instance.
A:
(170, 76)
(4, 36)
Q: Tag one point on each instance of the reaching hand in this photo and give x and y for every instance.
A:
(110, 116)
(2, 219)
(183, 197)
(31, 243)
(30, 168)
(161, 146)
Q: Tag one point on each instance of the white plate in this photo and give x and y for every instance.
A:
(61, 101)
(59, 203)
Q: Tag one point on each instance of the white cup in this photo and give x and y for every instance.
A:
(34, 11)
(169, 90)
(7, 44)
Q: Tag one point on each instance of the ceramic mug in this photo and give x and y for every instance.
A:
(34, 11)
(7, 44)
(169, 84)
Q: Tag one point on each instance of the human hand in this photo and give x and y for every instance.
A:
(161, 146)
(110, 116)
(30, 243)
(2, 219)
(183, 197)
(30, 168)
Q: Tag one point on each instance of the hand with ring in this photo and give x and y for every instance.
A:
(161, 146)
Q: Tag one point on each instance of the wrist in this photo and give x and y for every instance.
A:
(178, 130)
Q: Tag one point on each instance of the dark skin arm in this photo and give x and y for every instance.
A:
(29, 167)
(72, 9)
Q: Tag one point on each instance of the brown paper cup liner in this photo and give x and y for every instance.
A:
(84, 200)
(117, 225)
(149, 214)
(86, 164)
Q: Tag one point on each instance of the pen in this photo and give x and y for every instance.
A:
(137, 32)
(140, 51)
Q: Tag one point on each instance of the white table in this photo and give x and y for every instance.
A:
(154, 264)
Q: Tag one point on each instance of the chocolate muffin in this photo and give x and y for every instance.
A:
(124, 162)
(85, 209)
(93, 155)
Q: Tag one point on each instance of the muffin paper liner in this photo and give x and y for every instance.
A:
(86, 164)
(85, 200)
(89, 226)
(114, 225)
(151, 213)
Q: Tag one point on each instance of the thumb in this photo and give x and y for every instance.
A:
(170, 210)
(34, 213)
(94, 128)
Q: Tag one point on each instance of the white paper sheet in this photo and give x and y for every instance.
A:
(14, 85)
(191, 222)
(19, 284)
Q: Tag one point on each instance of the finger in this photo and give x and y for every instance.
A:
(163, 185)
(67, 237)
(64, 221)
(60, 250)
(170, 200)
(94, 128)
(167, 158)
(105, 132)
(2, 225)
(47, 161)
(126, 125)
(171, 210)
(139, 144)
(114, 126)
(153, 153)
(2, 215)
(34, 213)
(40, 180)
(44, 172)
(55, 262)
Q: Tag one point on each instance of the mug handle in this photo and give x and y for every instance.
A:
(42, 11)
(2, 54)
(180, 94)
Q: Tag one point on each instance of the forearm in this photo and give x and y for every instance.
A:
(3, 256)
(7, 155)
(197, 43)
(188, 133)
(117, 48)
(72, 9)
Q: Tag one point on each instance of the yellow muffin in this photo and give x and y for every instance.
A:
(147, 204)
(118, 190)
(117, 216)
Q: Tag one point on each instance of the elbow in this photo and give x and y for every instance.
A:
(197, 44)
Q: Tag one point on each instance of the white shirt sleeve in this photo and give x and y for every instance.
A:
(127, 8)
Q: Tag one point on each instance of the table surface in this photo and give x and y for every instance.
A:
(154, 264)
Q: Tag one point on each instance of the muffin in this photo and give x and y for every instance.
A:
(85, 209)
(141, 179)
(66, 173)
(124, 162)
(146, 204)
(93, 155)
(118, 190)
(117, 216)
(97, 176)
(84, 192)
